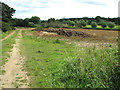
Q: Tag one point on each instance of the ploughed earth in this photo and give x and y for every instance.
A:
(80, 34)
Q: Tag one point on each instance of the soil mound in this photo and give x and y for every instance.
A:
(67, 33)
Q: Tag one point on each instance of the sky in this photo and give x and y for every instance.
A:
(57, 9)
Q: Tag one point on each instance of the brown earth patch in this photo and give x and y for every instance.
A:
(85, 34)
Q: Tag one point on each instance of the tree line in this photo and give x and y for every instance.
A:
(9, 23)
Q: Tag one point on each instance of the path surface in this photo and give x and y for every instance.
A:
(15, 76)
(9, 35)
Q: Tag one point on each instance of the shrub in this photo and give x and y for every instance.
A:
(78, 24)
(31, 24)
(103, 24)
(6, 27)
(111, 25)
(83, 23)
(93, 24)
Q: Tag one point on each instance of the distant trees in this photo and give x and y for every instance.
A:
(111, 25)
(25, 22)
(51, 20)
(31, 24)
(98, 18)
(103, 24)
(34, 19)
(93, 24)
(7, 13)
(83, 23)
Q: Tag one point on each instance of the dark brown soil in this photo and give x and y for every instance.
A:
(83, 34)
(68, 33)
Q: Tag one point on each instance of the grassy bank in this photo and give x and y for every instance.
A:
(42, 53)
(53, 63)
(4, 34)
(7, 45)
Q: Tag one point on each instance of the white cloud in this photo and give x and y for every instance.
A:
(63, 8)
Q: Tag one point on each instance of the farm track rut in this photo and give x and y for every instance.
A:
(9, 35)
(15, 76)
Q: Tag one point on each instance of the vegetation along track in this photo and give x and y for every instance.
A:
(9, 35)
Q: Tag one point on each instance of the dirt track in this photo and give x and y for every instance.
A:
(14, 75)
(9, 35)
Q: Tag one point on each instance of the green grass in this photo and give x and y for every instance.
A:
(51, 63)
(89, 68)
(7, 45)
(42, 53)
(4, 34)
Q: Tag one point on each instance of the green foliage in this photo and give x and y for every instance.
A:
(78, 24)
(55, 24)
(83, 23)
(7, 12)
(7, 45)
(98, 18)
(94, 24)
(41, 54)
(111, 24)
(51, 20)
(26, 21)
(6, 27)
(4, 34)
(31, 24)
(57, 41)
(103, 24)
(35, 19)
(89, 68)
(63, 65)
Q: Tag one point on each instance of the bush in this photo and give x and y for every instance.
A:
(111, 25)
(83, 23)
(93, 24)
(31, 24)
(103, 24)
(6, 27)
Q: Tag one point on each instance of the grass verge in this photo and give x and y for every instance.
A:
(4, 34)
(53, 63)
(7, 45)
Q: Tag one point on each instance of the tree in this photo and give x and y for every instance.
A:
(83, 23)
(103, 24)
(51, 20)
(26, 21)
(6, 27)
(98, 18)
(78, 24)
(111, 25)
(31, 24)
(7, 12)
(94, 24)
(18, 22)
(35, 19)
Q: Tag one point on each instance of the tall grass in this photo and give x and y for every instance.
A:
(90, 68)
(51, 63)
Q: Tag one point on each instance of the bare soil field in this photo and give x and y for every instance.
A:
(82, 34)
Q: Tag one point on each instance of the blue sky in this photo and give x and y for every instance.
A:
(46, 9)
